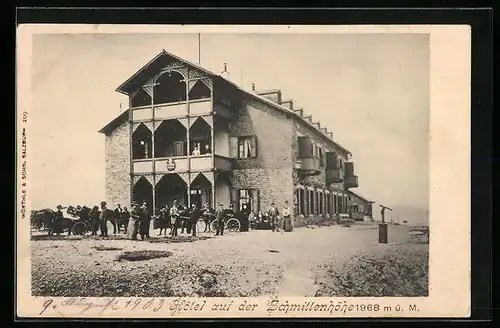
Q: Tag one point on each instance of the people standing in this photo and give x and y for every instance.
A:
(193, 219)
(219, 223)
(144, 221)
(162, 220)
(287, 218)
(125, 217)
(251, 219)
(58, 221)
(133, 221)
(118, 215)
(244, 218)
(274, 216)
(174, 218)
(94, 219)
(103, 219)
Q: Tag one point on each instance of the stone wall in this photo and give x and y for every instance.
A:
(117, 154)
(271, 170)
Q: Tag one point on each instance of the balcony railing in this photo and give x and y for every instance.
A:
(309, 166)
(351, 181)
(181, 164)
(172, 110)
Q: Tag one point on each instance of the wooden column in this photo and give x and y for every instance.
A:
(212, 128)
(131, 145)
(153, 144)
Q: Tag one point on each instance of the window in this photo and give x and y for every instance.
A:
(311, 202)
(320, 203)
(302, 202)
(250, 197)
(245, 197)
(329, 203)
(247, 147)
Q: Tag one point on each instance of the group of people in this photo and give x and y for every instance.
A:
(274, 218)
(136, 222)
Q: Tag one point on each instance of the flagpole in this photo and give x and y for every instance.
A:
(199, 49)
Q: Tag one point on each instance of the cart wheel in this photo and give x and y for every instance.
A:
(79, 228)
(233, 225)
(213, 225)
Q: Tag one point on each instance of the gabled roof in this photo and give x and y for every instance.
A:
(142, 75)
(114, 123)
(361, 197)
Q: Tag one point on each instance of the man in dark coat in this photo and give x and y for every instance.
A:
(118, 216)
(94, 219)
(219, 223)
(125, 216)
(145, 220)
(243, 218)
(193, 219)
(274, 216)
(103, 220)
(58, 220)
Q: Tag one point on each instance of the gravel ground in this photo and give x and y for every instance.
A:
(239, 264)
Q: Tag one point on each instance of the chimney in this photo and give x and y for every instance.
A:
(299, 111)
(308, 118)
(324, 130)
(225, 74)
(317, 125)
(288, 104)
(330, 135)
(253, 87)
(273, 95)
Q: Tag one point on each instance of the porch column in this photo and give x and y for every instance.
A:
(188, 146)
(189, 190)
(212, 142)
(154, 201)
(213, 195)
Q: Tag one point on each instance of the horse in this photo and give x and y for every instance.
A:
(46, 218)
(208, 216)
(113, 218)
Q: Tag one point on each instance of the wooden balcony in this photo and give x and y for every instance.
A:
(182, 164)
(351, 181)
(222, 163)
(308, 166)
(334, 175)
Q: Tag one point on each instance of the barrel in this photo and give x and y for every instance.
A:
(382, 233)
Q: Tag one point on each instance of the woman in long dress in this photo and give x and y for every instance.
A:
(287, 218)
(133, 222)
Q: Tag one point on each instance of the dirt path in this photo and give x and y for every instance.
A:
(238, 264)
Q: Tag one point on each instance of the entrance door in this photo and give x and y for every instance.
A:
(196, 197)
(179, 148)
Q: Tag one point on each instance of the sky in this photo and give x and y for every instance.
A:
(370, 90)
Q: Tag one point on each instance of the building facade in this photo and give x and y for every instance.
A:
(195, 136)
(360, 208)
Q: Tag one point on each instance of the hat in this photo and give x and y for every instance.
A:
(103, 203)
(59, 207)
(133, 203)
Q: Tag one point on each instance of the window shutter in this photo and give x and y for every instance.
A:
(255, 200)
(253, 143)
(233, 147)
(331, 160)
(305, 147)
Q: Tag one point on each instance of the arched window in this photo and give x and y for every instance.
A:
(169, 87)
